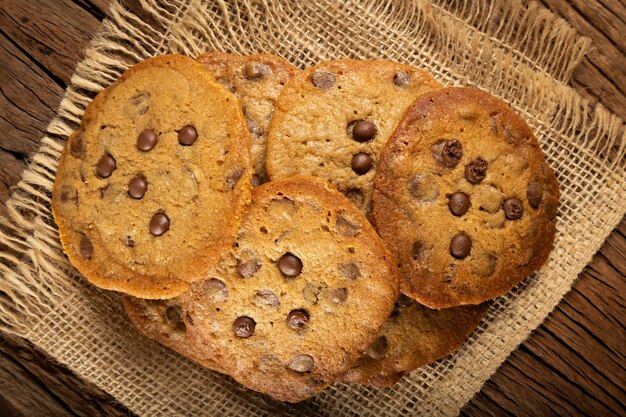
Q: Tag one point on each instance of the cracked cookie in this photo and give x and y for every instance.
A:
(464, 199)
(150, 189)
(305, 290)
(333, 119)
(256, 80)
(412, 337)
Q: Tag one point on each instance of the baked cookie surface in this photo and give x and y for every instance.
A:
(333, 119)
(412, 337)
(464, 199)
(256, 80)
(304, 292)
(150, 189)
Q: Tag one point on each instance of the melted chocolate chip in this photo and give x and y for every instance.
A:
(423, 187)
(106, 166)
(159, 224)
(256, 180)
(85, 247)
(356, 196)
(401, 79)
(302, 363)
(147, 140)
(476, 170)
(346, 226)
(535, 193)
(77, 147)
(339, 295)
(378, 349)
(363, 130)
(265, 298)
(233, 178)
(483, 264)
(312, 290)
(362, 163)
(297, 319)
(174, 316)
(243, 327)
(187, 135)
(460, 245)
(323, 79)
(248, 268)
(420, 250)
(215, 289)
(513, 208)
(349, 270)
(137, 187)
(458, 203)
(290, 265)
(256, 70)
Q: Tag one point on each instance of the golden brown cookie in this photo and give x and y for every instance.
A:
(162, 321)
(305, 291)
(464, 199)
(256, 80)
(333, 119)
(412, 337)
(150, 189)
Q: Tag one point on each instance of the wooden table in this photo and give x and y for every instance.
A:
(574, 364)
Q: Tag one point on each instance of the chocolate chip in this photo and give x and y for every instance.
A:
(448, 152)
(401, 79)
(244, 327)
(460, 245)
(363, 130)
(297, 319)
(535, 193)
(159, 224)
(147, 140)
(187, 135)
(378, 349)
(290, 265)
(174, 316)
(137, 187)
(404, 301)
(302, 363)
(349, 270)
(423, 187)
(420, 250)
(362, 163)
(458, 203)
(476, 170)
(264, 298)
(256, 180)
(215, 289)
(106, 166)
(339, 295)
(346, 226)
(255, 70)
(248, 268)
(323, 79)
(233, 178)
(85, 248)
(77, 146)
(513, 209)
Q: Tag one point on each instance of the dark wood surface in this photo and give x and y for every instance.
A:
(574, 364)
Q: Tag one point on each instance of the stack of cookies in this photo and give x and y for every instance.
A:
(293, 228)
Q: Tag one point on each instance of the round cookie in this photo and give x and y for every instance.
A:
(412, 337)
(150, 189)
(305, 291)
(256, 80)
(333, 119)
(162, 321)
(464, 199)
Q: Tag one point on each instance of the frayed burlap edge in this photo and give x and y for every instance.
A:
(467, 44)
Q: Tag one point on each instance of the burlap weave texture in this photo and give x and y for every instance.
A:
(513, 49)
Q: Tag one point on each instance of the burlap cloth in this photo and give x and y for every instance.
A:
(518, 51)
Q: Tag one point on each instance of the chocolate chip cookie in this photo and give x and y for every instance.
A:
(256, 80)
(464, 199)
(333, 119)
(162, 321)
(412, 337)
(306, 289)
(150, 189)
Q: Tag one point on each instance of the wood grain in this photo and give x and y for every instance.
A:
(574, 364)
